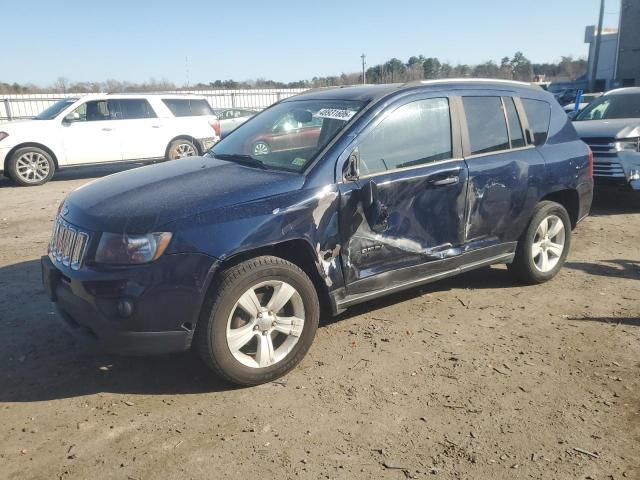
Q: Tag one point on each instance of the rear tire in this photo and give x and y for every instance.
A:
(544, 246)
(182, 148)
(30, 166)
(261, 148)
(258, 322)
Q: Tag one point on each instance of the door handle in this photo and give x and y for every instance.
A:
(106, 129)
(156, 126)
(445, 181)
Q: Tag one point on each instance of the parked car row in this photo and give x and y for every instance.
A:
(320, 202)
(610, 125)
(105, 128)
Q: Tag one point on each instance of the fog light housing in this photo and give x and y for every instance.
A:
(634, 175)
(125, 307)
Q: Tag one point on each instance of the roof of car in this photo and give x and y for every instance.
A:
(185, 96)
(624, 91)
(370, 92)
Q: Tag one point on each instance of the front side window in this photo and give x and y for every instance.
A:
(185, 107)
(413, 134)
(538, 114)
(515, 129)
(93, 111)
(288, 135)
(486, 124)
(611, 107)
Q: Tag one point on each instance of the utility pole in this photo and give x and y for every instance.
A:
(596, 53)
(364, 77)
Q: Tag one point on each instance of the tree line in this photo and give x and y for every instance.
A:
(517, 67)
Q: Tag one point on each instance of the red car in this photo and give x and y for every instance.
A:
(287, 134)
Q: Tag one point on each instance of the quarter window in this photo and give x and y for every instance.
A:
(515, 129)
(486, 123)
(187, 107)
(538, 114)
(413, 134)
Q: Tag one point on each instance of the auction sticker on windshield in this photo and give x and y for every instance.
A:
(335, 113)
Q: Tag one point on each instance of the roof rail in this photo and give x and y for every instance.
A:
(467, 79)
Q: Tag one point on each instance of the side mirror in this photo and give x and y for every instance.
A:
(572, 115)
(352, 167)
(72, 117)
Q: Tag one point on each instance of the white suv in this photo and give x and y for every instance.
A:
(106, 128)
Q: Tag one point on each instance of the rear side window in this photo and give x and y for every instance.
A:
(130, 109)
(538, 114)
(515, 129)
(187, 108)
(413, 134)
(486, 123)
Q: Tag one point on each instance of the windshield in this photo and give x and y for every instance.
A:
(611, 107)
(55, 109)
(288, 135)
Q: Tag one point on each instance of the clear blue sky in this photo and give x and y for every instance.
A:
(286, 40)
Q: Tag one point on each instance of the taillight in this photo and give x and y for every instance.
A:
(590, 162)
(215, 124)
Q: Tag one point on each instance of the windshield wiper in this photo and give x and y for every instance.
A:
(242, 159)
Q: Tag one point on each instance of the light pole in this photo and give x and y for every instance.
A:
(364, 78)
(596, 53)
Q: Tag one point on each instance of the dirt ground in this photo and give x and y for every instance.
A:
(474, 377)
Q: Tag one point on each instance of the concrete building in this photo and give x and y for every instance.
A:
(628, 61)
(606, 74)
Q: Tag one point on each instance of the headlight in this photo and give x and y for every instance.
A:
(628, 145)
(123, 249)
(3, 135)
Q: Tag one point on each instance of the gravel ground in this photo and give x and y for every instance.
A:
(473, 377)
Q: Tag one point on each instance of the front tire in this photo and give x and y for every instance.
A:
(259, 321)
(31, 166)
(544, 246)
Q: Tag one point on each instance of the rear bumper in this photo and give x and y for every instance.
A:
(585, 197)
(142, 310)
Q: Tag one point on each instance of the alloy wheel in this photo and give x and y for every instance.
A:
(265, 324)
(183, 150)
(32, 167)
(548, 243)
(261, 148)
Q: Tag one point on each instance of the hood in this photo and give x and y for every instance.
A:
(18, 125)
(143, 199)
(617, 128)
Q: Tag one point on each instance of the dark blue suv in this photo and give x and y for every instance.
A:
(324, 200)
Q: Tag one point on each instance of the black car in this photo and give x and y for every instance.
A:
(237, 255)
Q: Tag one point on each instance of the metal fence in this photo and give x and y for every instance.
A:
(17, 107)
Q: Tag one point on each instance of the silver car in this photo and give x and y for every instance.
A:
(610, 125)
(232, 118)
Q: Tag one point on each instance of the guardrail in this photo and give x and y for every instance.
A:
(18, 107)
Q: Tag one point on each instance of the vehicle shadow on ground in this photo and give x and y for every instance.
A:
(41, 361)
(614, 321)
(628, 269)
(80, 173)
(608, 202)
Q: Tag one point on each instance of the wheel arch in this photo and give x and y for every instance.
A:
(54, 157)
(569, 199)
(297, 251)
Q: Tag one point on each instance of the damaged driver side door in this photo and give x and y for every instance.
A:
(403, 206)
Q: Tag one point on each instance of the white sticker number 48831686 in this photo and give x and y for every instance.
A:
(335, 113)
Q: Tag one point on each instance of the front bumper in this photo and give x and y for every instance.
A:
(138, 310)
(620, 169)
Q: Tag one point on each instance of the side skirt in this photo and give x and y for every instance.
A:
(341, 303)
